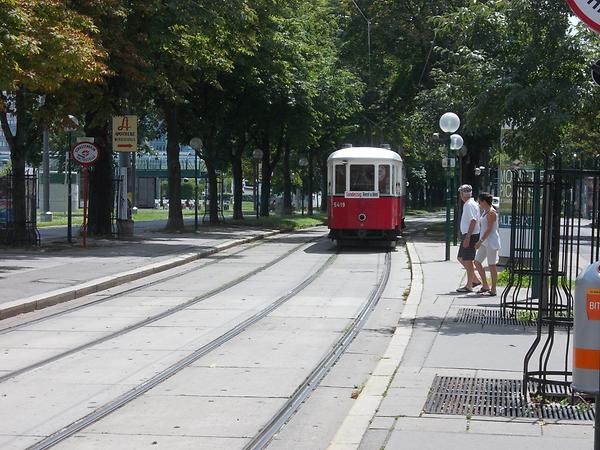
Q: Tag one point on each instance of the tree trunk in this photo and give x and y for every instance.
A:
(287, 182)
(212, 189)
(101, 183)
(175, 221)
(324, 186)
(18, 150)
(238, 181)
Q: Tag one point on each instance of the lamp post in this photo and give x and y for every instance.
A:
(196, 144)
(449, 123)
(71, 125)
(257, 155)
(303, 163)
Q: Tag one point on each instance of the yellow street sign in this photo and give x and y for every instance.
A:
(124, 133)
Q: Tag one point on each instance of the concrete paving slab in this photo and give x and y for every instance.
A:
(373, 440)
(401, 440)
(47, 339)
(382, 423)
(42, 411)
(250, 348)
(92, 441)
(232, 382)
(12, 442)
(161, 338)
(197, 416)
(313, 426)
(321, 311)
(370, 343)
(351, 371)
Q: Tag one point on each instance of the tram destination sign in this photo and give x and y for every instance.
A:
(588, 11)
(361, 194)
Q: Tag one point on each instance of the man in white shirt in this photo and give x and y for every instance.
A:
(469, 229)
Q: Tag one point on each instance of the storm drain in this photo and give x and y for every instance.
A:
(493, 316)
(492, 397)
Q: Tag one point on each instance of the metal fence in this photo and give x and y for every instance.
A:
(12, 233)
(555, 234)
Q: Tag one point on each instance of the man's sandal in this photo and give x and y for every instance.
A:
(464, 289)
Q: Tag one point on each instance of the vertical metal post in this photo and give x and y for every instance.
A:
(69, 195)
(46, 164)
(302, 194)
(448, 205)
(256, 200)
(456, 203)
(195, 190)
(536, 281)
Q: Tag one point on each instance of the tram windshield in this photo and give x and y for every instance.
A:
(362, 177)
(340, 179)
(384, 179)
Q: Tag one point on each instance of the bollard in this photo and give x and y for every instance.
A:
(586, 341)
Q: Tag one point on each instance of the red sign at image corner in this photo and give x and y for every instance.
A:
(588, 12)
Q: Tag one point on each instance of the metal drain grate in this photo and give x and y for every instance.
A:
(493, 397)
(488, 316)
(493, 316)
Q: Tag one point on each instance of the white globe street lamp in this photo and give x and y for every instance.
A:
(456, 142)
(449, 122)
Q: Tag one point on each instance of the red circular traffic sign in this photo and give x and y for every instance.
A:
(85, 153)
(588, 12)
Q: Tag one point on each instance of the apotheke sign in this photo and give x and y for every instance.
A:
(588, 12)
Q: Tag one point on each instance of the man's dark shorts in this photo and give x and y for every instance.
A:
(468, 254)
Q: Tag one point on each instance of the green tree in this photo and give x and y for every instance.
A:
(44, 44)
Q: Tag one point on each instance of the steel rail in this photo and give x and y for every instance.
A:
(266, 434)
(160, 377)
(156, 317)
(133, 289)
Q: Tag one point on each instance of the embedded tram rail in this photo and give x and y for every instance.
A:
(225, 344)
(144, 322)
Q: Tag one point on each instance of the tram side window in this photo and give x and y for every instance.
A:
(384, 179)
(362, 177)
(340, 179)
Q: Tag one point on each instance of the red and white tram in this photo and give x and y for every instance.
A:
(366, 190)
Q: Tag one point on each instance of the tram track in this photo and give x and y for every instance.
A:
(312, 381)
(130, 290)
(136, 392)
(153, 318)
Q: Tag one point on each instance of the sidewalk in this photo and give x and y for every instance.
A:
(39, 277)
(430, 341)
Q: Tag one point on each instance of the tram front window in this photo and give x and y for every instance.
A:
(384, 179)
(362, 177)
(340, 179)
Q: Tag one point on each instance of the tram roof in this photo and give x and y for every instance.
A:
(364, 153)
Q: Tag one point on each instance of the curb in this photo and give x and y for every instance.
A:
(40, 301)
(356, 423)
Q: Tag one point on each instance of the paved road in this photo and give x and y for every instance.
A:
(56, 370)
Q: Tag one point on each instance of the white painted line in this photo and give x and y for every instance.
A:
(356, 423)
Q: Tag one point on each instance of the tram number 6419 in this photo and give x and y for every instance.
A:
(339, 204)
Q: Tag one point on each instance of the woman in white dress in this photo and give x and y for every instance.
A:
(488, 245)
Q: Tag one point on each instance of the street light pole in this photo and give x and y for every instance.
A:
(257, 155)
(71, 125)
(449, 123)
(196, 144)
